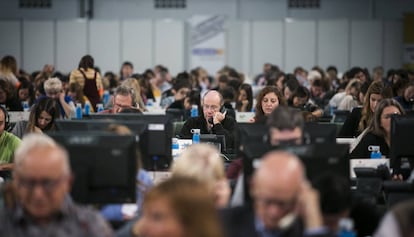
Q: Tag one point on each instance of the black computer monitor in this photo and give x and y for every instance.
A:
(219, 141)
(319, 133)
(401, 147)
(130, 116)
(318, 159)
(248, 132)
(154, 134)
(104, 166)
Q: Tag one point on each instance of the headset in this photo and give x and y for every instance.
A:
(6, 117)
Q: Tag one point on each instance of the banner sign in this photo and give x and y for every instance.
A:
(207, 42)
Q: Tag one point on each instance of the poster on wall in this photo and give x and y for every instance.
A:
(408, 57)
(207, 42)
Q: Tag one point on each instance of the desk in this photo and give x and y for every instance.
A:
(366, 163)
(16, 116)
(159, 176)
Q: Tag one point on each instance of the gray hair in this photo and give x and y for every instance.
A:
(52, 84)
(38, 141)
(126, 91)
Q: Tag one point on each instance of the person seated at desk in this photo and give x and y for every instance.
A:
(378, 132)
(268, 99)
(285, 128)
(212, 121)
(8, 98)
(54, 89)
(208, 167)
(41, 119)
(179, 206)
(8, 142)
(359, 119)
(123, 101)
(300, 99)
(37, 202)
(284, 203)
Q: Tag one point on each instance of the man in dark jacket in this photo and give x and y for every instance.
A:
(213, 120)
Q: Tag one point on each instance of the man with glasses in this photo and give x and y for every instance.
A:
(284, 203)
(37, 202)
(213, 120)
(123, 101)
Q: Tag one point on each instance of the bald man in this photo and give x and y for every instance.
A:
(37, 203)
(284, 203)
(212, 121)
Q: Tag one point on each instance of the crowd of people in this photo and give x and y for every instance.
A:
(198, 199)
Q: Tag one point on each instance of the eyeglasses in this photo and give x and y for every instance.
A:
(48, 185)
(284, 205)
(212, 107)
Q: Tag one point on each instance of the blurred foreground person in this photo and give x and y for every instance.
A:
(178, 207)
(37, 202)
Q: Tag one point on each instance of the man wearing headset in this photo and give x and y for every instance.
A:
(8, 142)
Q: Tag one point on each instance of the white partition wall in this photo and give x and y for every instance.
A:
(393, 44)
(71, 38)
(38, 44)
(267, 44)
(366, 44)
(333, 44)
(169, 45)
(104, 44)
(11, 39)
(137, 44)
(300, 44)
(249, 44)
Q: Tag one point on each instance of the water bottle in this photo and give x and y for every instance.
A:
(194, 111)
(375, 152)
(87, 108)
(25, 106)
(175, 148)
(99, 108)
(196, 136)
(346, 226)
(79, 111)
(106, 97)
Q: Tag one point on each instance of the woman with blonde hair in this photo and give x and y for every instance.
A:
(178, 207)
(204, 163)
(134, 84)
(8, 70)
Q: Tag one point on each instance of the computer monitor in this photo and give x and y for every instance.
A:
(130, 116)
(153, 132)
(104, 166)
(340, 116)
(401, 147)
(219, 141)
(319, 133)
(252, 132)
(318, 159)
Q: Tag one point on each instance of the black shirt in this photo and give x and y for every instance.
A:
(361, 150)
(350, 126)
(227, 127)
